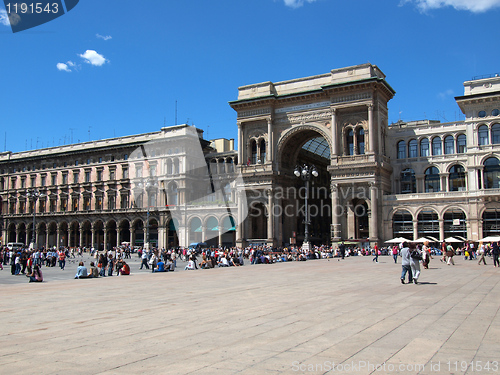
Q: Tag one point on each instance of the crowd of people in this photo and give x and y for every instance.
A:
(30, 262)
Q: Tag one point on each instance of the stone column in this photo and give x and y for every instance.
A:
(441, 230)
(415, 229)
(58, 237)
(371, 131)
(444, 181)
(92, 240)
(118, 235)
(240, 144)
(132, 236)
(81, 237)
(270, 226)
(334, 133)
(240, 227)
(105, 239)
(374, 221)
(219, 238)
(269, 151)
(336, 210)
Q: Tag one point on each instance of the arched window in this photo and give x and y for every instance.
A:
(254, 152)
(176, 169)
(172, 195)
(350, 142)
(424, 147)
(432, 180)
(401, 150)
(491, 173)
(457, 178)
(169, 167)
(461, 144)
(413, 149)
(428, 223)
(449, 145)
(408, 181)
(436, 146)
(483, 136)
(262, 151)
(402, 224)
(361, 141)
(495, 134)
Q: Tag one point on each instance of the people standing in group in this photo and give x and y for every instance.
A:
(482, 252)
(405, 264)
(495, 252)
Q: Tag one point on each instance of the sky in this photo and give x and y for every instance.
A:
(119, 67)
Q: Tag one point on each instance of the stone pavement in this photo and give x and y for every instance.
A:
(315, 317)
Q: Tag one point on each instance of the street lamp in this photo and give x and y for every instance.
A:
(306, 172)
(33, 194)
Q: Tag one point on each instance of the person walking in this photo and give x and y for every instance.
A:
(426, 255)
(144, 258)
(405, 264)
(375, 259)
(342, 250)
(415, 258)
(495, 251)
(449, 254)
(395, 251)
(481, 251)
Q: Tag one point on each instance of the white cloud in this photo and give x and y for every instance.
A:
(107, 37)
(63, 67)
(92, 57)
(476, 6)
(297, 3)
(69, 66)
(4, 18)
(446, 94)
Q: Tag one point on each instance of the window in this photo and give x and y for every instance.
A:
(99, 175)
(13, 182)
(495, 134)
(53, 205)
(461, 144)
(43, 181)
(98, 203)
(65, 178)
(495, 112)
(350, 142)
(33, 181)
(124, 201)
(76, 162)
(54, 165)
(413, 149)
(436, 146)
(263, 151)
(87, 176)
(86, 203)
(152, 170)
(76, 177)
(100, 160)
(449, 145)
(401, 150)
(74, 204)
(111, 174)
(125, 172)
(22, 207)
(424, 147)
(64, 204)
(457, 178)
(138, 171)
(125, 157)
(408, 181)
(53, 179)
(41, 206)
(89, 161)
(481, 114)
(482, 134)
(432, 183)
(361, 141)
(491, 173)
(23, 183)
(254, 152)
(111, 202)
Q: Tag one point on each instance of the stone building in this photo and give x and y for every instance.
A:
(375, 180)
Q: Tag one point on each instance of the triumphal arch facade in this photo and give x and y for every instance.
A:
(336, 122)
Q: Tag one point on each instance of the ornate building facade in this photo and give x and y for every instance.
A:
(375, 180)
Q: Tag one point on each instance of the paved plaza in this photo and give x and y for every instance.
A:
(351, 316)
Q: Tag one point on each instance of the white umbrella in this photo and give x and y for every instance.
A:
(452, 239)
(397, 240)
(490, 239)
(422, 240)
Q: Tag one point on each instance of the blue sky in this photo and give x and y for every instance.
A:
(117, 67)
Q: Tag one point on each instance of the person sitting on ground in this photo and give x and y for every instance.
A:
(81, 271)
(190, 265)
(94, 271)
(160, 267)
(169, 265)
(125, 270)
(36, 275)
